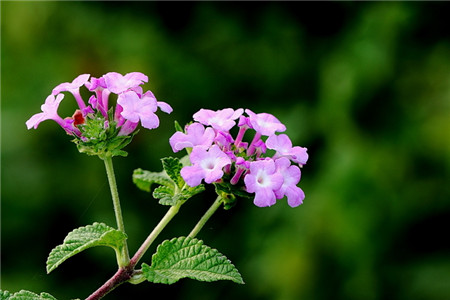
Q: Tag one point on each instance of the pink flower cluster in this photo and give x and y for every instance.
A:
(214, 152)
(133, 105)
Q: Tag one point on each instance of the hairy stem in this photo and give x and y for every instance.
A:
(156, 231)
(127, 273)
(122, 275)
(123, 261)
(206, 217)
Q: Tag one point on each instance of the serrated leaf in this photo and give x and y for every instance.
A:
(189, 192)
(25, 295)
(83, 238)
(186, 257)
(165, 195)
(173, 166)
(228, 188)
(5, 295)
(168, 197)
(144, 179)
(172, 187)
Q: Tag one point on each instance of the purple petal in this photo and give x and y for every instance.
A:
(165, 107)
(265, 123)
(129, 102)
(295, 196)
(264, 198)
(193, 175)
(149, 121)
(299, 155)
(69, 86)
(117, 83)
(34, 121)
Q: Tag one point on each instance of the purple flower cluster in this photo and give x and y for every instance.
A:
(133, 105)
(215, 153)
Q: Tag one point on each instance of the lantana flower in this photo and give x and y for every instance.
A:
(50, 112)
(291, 177)
(263, 180)
(248, 170)
(283, 147)
(74, 88)
(196, 136)
(219, 120)
(206, 164)
(97, 126)
(118, 83)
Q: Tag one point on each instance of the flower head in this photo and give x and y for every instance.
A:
(206, 164)
(249, 171)
(97, 126)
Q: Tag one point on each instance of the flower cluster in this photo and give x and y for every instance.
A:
(97, 126)
(216, 157)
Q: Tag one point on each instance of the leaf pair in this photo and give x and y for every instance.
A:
(182, 257)
(172, 187)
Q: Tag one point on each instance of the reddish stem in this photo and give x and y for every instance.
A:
(122, 275)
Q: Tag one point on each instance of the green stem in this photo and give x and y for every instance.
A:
(206, 217)
(123, 261)
(154, 234)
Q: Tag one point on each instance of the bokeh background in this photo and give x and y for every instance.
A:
(365, 86)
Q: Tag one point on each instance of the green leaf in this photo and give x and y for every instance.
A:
(173, 166)
(144, 179)
(25, 295)
(83, 238)
(178, 127)
(172, 187)
(186, 257)
(189, 192)
(165, 195)
(5, 295)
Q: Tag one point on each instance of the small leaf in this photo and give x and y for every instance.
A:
(186, 257)
(165, 195)
(173, 166)
(83, 238)
(178, 127)
(25, 295)
(144, 179)
(172, 187)
(189, 192)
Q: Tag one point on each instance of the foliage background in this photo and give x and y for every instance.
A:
(364, 85)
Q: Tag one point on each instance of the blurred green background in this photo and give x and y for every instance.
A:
(365, 86)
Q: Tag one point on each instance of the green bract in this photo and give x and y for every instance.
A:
(100, 137)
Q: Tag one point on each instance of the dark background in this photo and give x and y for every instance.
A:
(365, 86)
